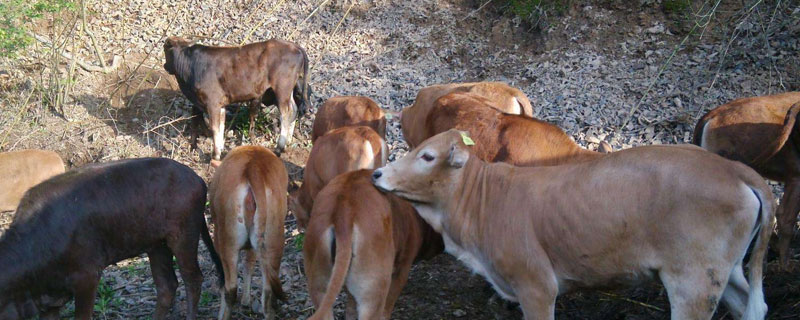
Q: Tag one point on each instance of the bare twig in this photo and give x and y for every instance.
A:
(81, 63)
(649, 306)
(167, 124)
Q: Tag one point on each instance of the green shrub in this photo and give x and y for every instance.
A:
(534, 10)
(15, 14)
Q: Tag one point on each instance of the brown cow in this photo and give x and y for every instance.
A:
(339, 151)
(366, 240)
(500, 96)
(23, 169)
(500, 137)
(761, 132)
(248, 208)
(338, 112)
(273, 72)
(678, 213)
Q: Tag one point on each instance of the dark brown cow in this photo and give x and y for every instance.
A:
(339, 151)
(248, 208)
(338, 112)
(761, 132)
(499, 96)
(501, 137)
(366, 240)
(69, 228)
(273, 72)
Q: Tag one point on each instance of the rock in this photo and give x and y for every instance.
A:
(459, 313)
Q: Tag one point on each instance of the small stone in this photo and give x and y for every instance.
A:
(459, 313)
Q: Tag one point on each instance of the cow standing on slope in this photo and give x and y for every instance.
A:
(272, 72)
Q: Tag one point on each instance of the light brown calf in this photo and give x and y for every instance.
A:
(760, 131)
(366, 240)
(339, 151)
(338, 112)
(499, 95)
(500, 137)
(23, 169)
(248, 208)
(678, 213)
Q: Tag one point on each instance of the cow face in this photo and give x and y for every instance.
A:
(171, 47)
(427, 173)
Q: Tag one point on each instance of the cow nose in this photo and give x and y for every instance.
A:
(376, 175)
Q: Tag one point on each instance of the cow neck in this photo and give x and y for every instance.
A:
(182, 63)
(469, 200)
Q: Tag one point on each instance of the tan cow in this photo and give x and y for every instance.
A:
(761, 132)
(501, 96)
(678, 213)
(339, 151)
(248, 209)
(366, 240)
(338, 112)
(23, 169)
(501, 137)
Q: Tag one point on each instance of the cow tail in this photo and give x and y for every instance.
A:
(304, 86)
(206, 236)
(271, 262)
(756, 308)
(341, 265)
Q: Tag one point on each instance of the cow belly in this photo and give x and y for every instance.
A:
(481, 266)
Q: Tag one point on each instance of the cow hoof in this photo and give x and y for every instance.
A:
(281, 144)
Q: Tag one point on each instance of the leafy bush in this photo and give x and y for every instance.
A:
(533, 11)
(15, 14)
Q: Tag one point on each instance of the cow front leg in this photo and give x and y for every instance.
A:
(254, 107)
(85, 289)
(217, 120)
(787, 218)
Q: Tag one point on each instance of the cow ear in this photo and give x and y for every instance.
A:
(458, 156)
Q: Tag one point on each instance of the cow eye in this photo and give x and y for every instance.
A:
(427, 157)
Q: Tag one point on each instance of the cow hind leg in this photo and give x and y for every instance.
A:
(185, 250)
(736, 293)
(249, 267)
(369, 280)
(694, 294)
(288, 114)
(230, 259)
(164, 279)
(318, 264)
(787, 218)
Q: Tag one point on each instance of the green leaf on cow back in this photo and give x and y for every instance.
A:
(467, 140)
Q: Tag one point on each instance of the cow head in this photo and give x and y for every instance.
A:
(429, 172)
(172, 47)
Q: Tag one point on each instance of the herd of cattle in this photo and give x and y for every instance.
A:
(514, 198)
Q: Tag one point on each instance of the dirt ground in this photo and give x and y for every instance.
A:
(603, 70)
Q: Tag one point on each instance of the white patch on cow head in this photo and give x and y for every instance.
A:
(428, 173)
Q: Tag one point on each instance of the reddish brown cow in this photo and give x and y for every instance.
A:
(762, 133)
(273, 72)
(338, 112)
(339, 151)
(498, 95)
(248, 208)
(366, 240)
(501, 137)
